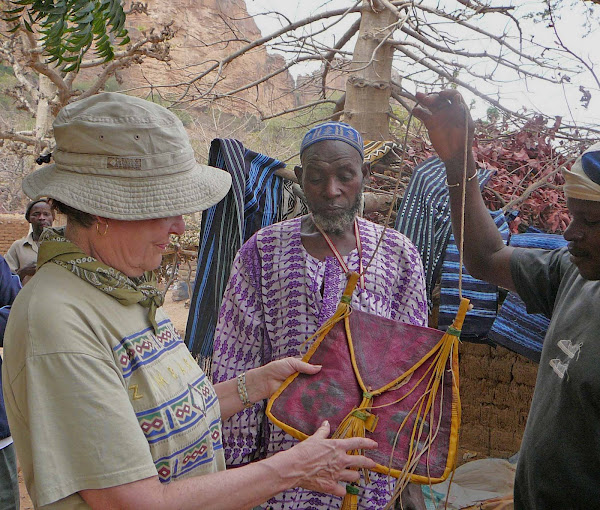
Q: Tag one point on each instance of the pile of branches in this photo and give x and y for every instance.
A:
(526, 160)
(527, 163)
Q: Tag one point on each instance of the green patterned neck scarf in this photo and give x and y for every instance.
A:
(127, 291)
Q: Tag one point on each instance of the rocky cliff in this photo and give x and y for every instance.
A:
(205, 32)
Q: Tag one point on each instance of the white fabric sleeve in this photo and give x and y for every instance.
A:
(239, 346)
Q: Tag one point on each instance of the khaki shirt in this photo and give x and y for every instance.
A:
(96, 399)
(22, 253)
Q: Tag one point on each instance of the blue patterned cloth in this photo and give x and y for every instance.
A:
(10, 285)
(424, 216)
(252, 203)
(483, 295)
(333, 131)
(514, 328)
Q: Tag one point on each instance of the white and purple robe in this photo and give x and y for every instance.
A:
(277, 296)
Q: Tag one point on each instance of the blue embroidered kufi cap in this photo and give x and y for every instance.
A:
(333, 131)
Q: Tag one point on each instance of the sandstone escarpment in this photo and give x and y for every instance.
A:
(206, 31)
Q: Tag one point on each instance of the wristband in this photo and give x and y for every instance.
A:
(243, 391)
(458, 183)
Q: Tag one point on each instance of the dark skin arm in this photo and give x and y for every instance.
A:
(450, 125)
(25, 273)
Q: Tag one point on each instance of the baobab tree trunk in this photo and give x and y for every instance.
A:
(368, 87)
(44, 117)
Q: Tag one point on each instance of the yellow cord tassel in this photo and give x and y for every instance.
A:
(446, 350)
(355, 424)
(350, 501)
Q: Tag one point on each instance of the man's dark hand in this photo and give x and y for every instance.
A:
(447, 120)
(25, 273)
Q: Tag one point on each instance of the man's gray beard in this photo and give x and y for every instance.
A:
(339, 223)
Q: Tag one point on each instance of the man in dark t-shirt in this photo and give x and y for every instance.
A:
(559, 462)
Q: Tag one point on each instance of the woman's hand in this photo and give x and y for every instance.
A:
(262, 382)
(319, 464)
(447, 120)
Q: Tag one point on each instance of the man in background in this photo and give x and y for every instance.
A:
(22, 255)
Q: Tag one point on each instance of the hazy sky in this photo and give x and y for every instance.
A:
(538, 96)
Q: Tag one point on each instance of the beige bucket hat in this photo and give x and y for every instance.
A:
(125, 158)
(583, 180)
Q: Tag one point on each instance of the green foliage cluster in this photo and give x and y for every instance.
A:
(68, 28)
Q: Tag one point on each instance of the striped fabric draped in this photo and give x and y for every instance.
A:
(483, 295)
(253, 202)
(424, 216)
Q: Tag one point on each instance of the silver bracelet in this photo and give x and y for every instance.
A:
(458, 183)
(243, 391)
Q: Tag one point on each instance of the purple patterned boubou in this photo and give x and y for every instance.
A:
(278, 295)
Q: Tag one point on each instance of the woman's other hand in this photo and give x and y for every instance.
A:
(320, 464)
(262, 382)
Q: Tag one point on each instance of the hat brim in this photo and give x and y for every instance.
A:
(121, 198)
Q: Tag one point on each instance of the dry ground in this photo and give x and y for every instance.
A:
(178, 314)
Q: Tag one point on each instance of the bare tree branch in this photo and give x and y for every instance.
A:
(329, 56)
(27, 140)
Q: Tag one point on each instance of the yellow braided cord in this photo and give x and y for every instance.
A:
(354, 425)
(420, 443)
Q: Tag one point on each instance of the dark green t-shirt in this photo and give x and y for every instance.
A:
(559, 462)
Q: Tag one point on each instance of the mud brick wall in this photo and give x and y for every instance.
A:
(496, 387)
(12, 227)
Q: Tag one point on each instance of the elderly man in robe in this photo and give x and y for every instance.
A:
(287, 280)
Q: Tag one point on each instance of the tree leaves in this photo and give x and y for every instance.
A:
(526, 161)
(69, 28)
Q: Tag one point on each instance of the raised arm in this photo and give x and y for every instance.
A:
(450, 128)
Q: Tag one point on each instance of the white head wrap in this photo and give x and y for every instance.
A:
(583, 180)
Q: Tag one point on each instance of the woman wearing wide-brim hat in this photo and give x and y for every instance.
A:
(104, 400)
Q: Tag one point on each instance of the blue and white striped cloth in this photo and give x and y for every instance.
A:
(252, 203)
(424, 216)
(483, 295)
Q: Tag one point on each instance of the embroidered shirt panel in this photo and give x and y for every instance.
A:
(278, 295)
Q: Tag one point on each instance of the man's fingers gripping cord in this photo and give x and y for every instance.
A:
(422, 114)
(450, 95)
